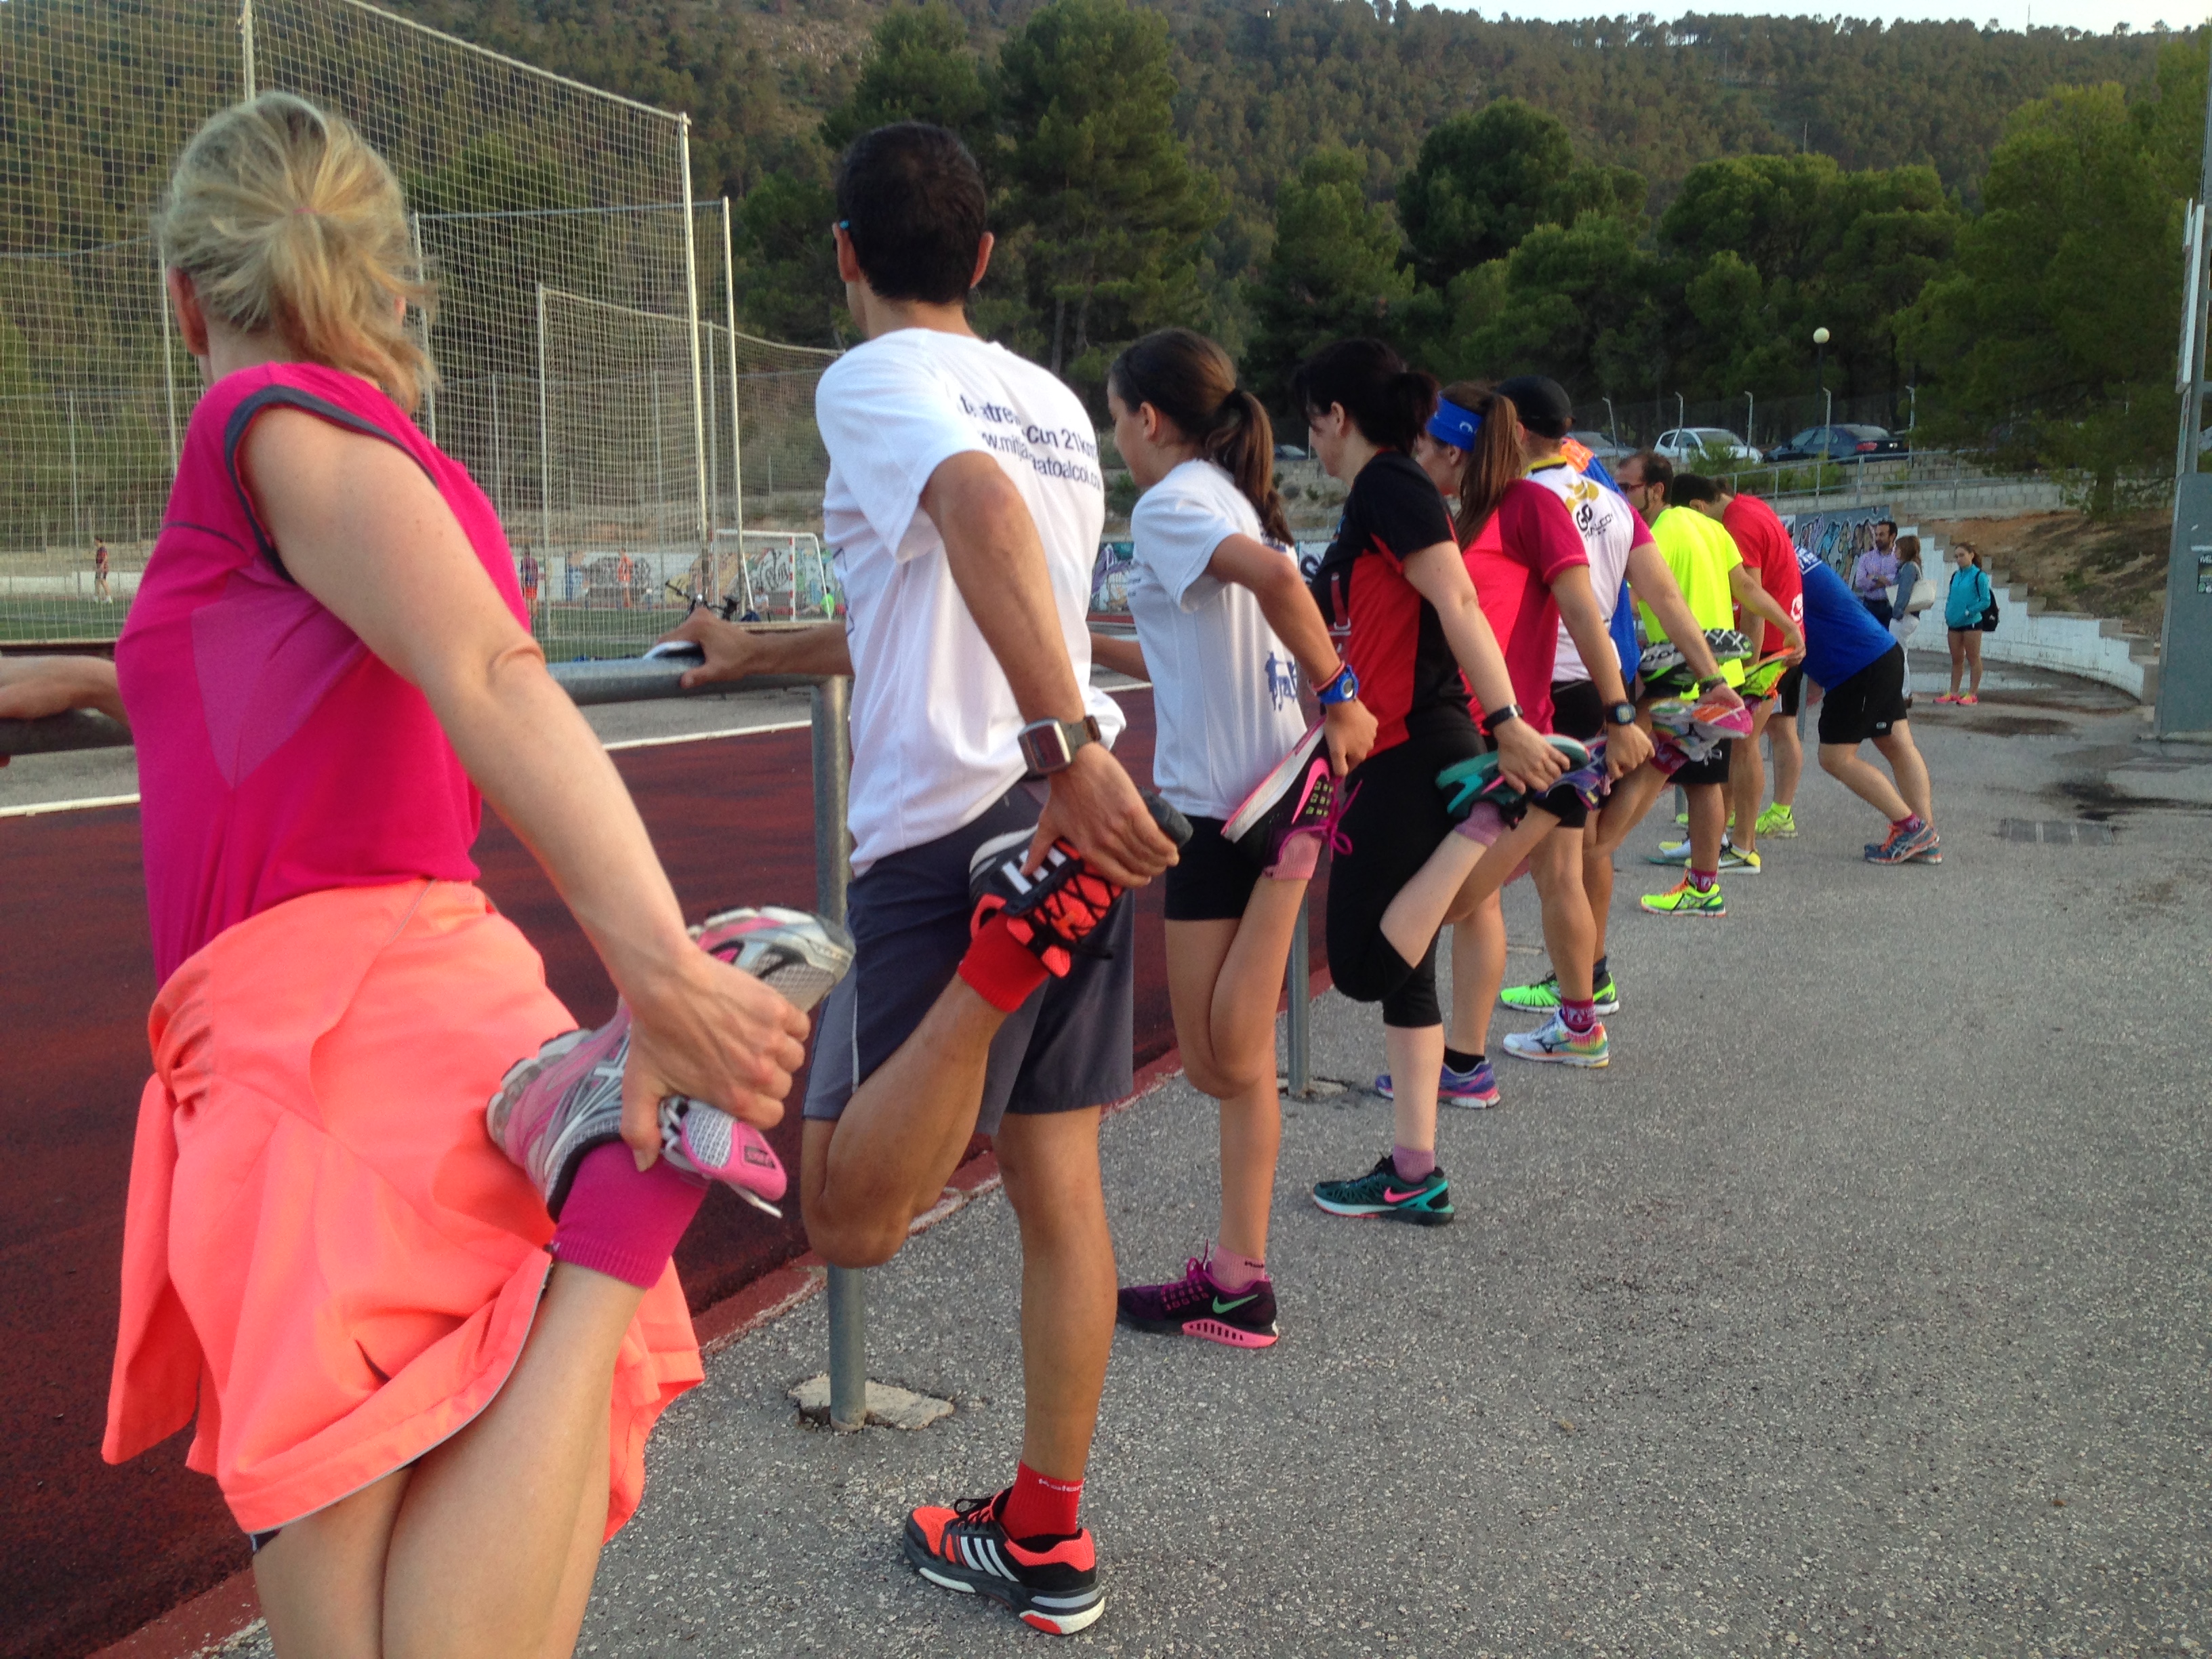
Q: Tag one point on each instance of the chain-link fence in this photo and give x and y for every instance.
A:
(593, 379)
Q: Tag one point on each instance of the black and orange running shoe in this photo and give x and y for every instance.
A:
(1049, 1583)
(1056, 912)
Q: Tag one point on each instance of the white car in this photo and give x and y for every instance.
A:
(1687, 446)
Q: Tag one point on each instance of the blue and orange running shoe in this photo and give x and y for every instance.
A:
(1197, 1306)
(1382, 1192)
(1902, 845)
(1050, 1584)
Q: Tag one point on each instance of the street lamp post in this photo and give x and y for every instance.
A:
(1611, 426)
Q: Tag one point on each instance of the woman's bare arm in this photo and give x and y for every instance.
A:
(359, 525)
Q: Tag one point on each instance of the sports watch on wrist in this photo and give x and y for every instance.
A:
(1497, 717)
(1620, 713)
(1710, 681)
(1048, 745)
(1343, 688)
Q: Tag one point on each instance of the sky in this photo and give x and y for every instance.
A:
(2098, 17)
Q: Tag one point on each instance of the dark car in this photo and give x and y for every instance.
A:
(1840, 443)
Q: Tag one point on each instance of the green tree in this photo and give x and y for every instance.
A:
(1334, 272)
(1485, 179)
(787, 284)
(1573, 302)
(1105, 189)
(919, 67)
(2057, 329)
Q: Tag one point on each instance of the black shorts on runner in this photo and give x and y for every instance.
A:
(1868, 703)
(1789, 690)
(1210, 879)
(1578, 711)
(1068, 1047)
(1715, 770)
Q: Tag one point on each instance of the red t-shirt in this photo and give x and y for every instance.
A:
(1514, 559)
(1768, 554)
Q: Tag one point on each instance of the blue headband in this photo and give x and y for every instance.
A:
(1453, 425)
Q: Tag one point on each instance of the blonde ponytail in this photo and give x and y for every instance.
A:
(284, 218)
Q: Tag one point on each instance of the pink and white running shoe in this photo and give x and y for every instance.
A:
(565, 1099)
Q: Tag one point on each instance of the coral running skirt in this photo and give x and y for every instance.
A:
(323, 1254)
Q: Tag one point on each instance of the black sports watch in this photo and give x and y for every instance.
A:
(1049, 745)
(1710, 681)
(1620, 713)
(1497, 717)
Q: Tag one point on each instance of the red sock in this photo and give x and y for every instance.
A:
(1704, 881)
(1039, 1507)
(624, 1222)
(999, 969)
(1580, 1017)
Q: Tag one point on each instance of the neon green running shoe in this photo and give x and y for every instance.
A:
(1685, 901)
(1733, 858)
(1779, 822)
(1543, 996)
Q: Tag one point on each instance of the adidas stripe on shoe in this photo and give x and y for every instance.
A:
(1050, 1584)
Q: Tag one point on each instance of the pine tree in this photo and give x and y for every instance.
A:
(1335, 270)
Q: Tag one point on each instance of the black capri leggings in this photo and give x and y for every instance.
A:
(1394, 822)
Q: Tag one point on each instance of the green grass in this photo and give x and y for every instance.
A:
(54, 617)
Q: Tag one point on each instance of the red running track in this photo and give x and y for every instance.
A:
(91, 1553)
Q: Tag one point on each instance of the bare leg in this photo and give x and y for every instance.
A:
(1842, 761)
(864, 1178)
(1708, 823)
(1911, 771)
(1223, 981)
(1568, 932)
(1958, 660)
(1631, 799)
(1460, 870)
(1050, 1163)
(1974, 659)
(475, 1550)
(1748, 780)
(1417, 1063)
(1789, 758)
(1478, 974)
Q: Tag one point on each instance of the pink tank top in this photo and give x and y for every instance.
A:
(277, 756)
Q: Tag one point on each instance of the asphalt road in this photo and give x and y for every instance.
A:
(1860, 1307)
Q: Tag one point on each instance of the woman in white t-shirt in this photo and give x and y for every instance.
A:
(1226, 628)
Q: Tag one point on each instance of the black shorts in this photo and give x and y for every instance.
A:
(1868, 703)
(1715, 770)
(1789, 690)
(1210, 879)
(1068, 1047)
(1578, 711)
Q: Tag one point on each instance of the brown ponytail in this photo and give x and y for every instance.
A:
(1495, 461)
(1192, 381)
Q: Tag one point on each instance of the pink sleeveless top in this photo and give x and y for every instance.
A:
(277, 756)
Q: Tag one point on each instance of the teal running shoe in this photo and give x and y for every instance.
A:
(1382, 1191)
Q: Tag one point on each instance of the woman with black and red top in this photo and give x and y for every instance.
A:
(1417, 641)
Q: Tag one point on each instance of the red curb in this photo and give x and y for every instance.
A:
(207, 1621)
(214, 1617)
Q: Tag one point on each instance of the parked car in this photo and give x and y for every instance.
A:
(1691, 445)
(1289, 452)
(1603, 447)
(1840, 443)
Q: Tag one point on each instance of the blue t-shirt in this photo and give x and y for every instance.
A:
(1841, 636)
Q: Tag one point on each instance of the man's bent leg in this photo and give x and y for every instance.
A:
(1842, 761)
(1708, 824)
(863, 1175)
(1789, 758)
(1050, 1165)
(1631, 799)
(1905, 761)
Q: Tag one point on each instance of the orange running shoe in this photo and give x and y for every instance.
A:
(1049, 1583)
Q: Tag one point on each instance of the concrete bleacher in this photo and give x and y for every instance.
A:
(2031, 634)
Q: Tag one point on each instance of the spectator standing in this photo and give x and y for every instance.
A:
(1965, 606)
(1904, 621)
(1876, 570)
(100, 574)
(625, 575)
(530, 573)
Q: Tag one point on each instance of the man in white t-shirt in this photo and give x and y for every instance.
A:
(965, 501)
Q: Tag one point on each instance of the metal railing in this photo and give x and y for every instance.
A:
(638, 679)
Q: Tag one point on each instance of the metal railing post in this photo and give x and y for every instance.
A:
(1299, 1034)
(833, 779)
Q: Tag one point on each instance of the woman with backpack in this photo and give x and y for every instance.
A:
(1965, 605)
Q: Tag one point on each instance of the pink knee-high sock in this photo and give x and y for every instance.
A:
(623, 1221)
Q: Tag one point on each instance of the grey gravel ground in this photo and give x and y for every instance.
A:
(1860, 1307)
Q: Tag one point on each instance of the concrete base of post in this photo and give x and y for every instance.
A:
(889, 1407)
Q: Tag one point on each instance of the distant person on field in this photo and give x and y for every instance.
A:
(100, 574)
(625, 575)
(1876, 570)
(1966, 603)
(1904, 621)
(530, 573)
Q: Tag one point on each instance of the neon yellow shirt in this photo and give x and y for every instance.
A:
(1700, 553)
